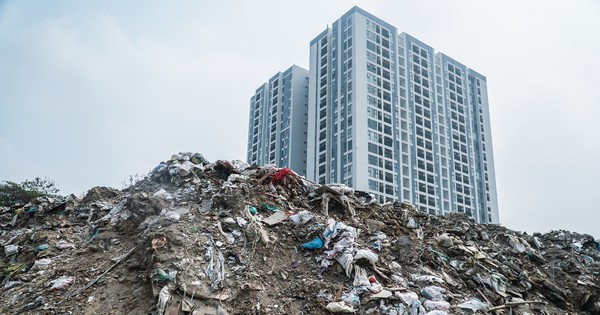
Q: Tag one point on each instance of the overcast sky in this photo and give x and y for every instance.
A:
(94, 91)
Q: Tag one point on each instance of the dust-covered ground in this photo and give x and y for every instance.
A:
(224, 238)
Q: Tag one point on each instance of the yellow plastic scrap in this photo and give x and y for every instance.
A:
(19, 211)
(15, 269)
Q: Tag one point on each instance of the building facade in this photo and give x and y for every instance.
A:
(389, 115)
(278, 123)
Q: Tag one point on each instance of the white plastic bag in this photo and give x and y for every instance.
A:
(301, 217)
(61, 283)
(360, 277)
(163, 299)
(62, 244)
(366, 254)
(41, 264)
(474, 305)
(11, 249)
(433, 293)
(346, 261)
(340, 307)
(436, 305)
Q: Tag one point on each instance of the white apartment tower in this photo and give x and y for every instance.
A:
(277, 127)
(389, 115)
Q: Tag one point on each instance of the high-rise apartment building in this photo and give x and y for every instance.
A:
(277, 128)
(389, 115)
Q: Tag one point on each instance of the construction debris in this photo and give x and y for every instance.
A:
(227, 238)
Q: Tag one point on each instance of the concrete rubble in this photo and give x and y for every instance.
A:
(204, 238)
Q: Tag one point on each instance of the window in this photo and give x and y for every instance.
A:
(373, 160)
(373, 185)
(371, 46)
(372, 124)
(389, 165)
(373, 148)
(371, 68)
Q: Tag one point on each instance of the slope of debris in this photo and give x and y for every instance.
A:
(206, 238)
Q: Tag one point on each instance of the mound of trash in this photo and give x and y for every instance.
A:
(204, 238)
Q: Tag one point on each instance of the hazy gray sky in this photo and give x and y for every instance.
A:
(92, 92)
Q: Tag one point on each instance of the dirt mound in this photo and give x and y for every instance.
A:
(225, 238)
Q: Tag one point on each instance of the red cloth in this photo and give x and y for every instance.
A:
(278, 177)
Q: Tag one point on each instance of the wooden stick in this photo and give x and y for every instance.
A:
(91, 283)
(486, 299)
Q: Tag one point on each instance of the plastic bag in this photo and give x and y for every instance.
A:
(436, 305)
(270, 207)
(345, 243)
(377, 245)
(498, 282)
(41, 264)
(230, 238)
(170, 215)
(412, 223)
(351, 298)
(62, 244)
(165, 276)
(42, 247)
(428, 279)
(375, 287)
(11, 249)
(334, 228)
(408, 297)
(61, 283)
(474, 305)
(163, 299)
(360, 277)
(241, 222)
(416, 307)
(434, 293)
(397, 309)
(233, 177)
(346, 260)
(316, 243)
(340, 307)
(185, 168)
(162, 194)
(366, 254)
(516, 244)
(301, 217)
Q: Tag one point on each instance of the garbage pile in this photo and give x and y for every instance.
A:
(204, 238)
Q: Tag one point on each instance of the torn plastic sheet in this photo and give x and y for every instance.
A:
(334, 228)
(366, 254)
(360, 277)
(346, 260)
(163, 299)
(216, 267)
(301, 217)
(474, 305)
(117, 213)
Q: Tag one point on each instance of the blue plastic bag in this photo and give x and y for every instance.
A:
(316, 243)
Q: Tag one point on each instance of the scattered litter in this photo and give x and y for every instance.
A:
(188, 238)
(301, 217)
(340, 307)
(316, 243)
(61, 283)
(275, 218)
